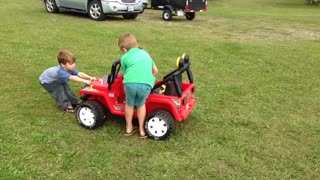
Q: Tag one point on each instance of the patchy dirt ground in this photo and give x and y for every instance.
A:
(215, 28)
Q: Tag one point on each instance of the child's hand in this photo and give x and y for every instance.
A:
(93, 78)
(87, 82)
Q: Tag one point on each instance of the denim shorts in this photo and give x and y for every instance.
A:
(136, 93)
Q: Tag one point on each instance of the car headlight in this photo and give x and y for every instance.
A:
(177, 103)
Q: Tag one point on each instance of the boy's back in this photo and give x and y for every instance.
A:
(137, 67)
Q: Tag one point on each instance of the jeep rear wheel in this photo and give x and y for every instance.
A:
(167, 15)
(91, 114)
(51, 6)
(159, 124)
(95, 11)
(190, 16)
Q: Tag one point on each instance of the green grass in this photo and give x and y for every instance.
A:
(255, 65)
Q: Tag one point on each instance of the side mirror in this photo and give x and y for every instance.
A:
(186, 58)
(179, 62)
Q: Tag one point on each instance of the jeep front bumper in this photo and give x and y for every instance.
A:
(117, 7)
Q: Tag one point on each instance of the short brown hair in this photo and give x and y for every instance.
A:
(127, 41)
(65, 57)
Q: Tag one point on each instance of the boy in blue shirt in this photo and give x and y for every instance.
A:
(55, 79)
(139, 77)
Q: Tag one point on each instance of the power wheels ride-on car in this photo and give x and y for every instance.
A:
(187, 8)
(170, 100)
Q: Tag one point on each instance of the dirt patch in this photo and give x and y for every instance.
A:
(260, 30)
(215, 28)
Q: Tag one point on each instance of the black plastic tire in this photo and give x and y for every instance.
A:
(51, 6)
(95, 11)
(190, 16)
(91, 114)
(167, 15)
(159, 125)
(130, 16)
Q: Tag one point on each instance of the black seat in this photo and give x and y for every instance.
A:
(171, 89)
(173, 80)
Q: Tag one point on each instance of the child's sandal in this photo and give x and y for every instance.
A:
(69, 110)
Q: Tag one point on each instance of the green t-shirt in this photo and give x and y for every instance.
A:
(137, 67)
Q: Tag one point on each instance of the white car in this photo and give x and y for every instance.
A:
(97, 9)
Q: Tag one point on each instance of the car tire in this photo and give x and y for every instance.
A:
(190, 16)
(167, 15)
(130, 16)
(95, 11)
(91, 114)
(51, 6)
(159, 125)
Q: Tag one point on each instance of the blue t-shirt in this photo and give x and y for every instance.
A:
(57, 74)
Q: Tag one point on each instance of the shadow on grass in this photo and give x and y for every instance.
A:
(86, 16)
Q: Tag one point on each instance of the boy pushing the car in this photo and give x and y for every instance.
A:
(55, 79)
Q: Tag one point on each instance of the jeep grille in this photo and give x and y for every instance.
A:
(128, 1)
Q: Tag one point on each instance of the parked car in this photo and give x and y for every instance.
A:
(97, 9)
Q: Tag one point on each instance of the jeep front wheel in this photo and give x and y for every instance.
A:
(159, 124)
(95, 11)
(91, 114)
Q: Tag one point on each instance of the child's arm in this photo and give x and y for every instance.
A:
(86, 76)
(79, 79)
(154, 70)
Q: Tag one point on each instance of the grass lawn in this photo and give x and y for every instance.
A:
(256, 67)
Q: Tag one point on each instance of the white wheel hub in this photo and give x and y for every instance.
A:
(166, 15)
(50, 5)
(86, 116)
(157, 127)
(95, 11)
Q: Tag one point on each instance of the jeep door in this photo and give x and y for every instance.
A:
(74, 4)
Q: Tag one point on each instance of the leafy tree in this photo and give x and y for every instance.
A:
(313, 1)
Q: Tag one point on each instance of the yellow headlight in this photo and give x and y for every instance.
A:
(177, 62)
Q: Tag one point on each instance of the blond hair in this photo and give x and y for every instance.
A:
(127, 41)
(65, 57)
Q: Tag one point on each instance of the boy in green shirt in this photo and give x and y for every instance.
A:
(139, 77)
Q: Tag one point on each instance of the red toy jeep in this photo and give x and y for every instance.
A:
(170, 100)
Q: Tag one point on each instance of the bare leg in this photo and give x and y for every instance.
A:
(141, 113)
(129, 114)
